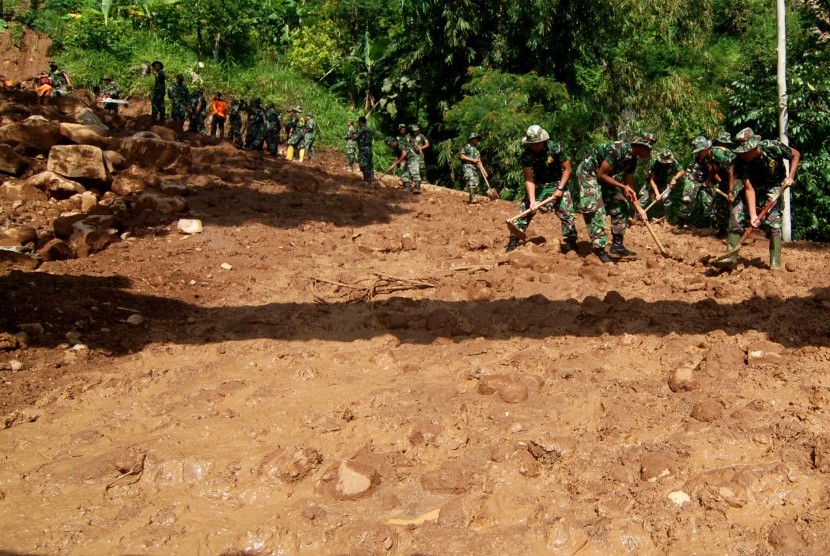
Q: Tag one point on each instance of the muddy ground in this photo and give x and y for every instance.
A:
(335, 368)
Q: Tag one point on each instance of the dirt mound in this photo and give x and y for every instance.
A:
(25, 53)
(331, 367)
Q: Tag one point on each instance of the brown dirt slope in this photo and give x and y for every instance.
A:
(335, 368)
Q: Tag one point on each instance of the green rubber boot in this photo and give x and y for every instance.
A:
(775, 253)
(732, 240)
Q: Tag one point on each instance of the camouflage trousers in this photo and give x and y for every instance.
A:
(411, 170)
(692, 191)
(254, 137)
(366, 162)
(564, 209)
(158, 110)
(296, 139)
(235, 133)
(351, 153)
(178, 111)
(645, 199)
(739, 216)
(597, 201)
(472, 180)
(197, 123)
(271, 137)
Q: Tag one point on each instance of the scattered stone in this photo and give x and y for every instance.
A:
(54, 184)
(679, 498)
(656, 466)
(451, 478)
(164, 133)
(226, 266)
(136, 320)
(8, 342)
(114, 161)
(458, 512)
(33, 329)
(35, 134)
(16, 365)
(150, 151)
(526, 464)
(424, 433)
(189, 226)
(134, 180)
(19, 235)
(84, 162)
(19, 191)
(408, 242)
(11, 162)
(88, 201)
(513, 392)
(15, 260)
(290, 464)
(759, 357)
(95, 135)
(162, 204)
(56, 250)
(490, 384)
(87, 117)
(683, 379)
(480, 293)
(707, 410)
(93, 234)
(565, 535)
(785, 538)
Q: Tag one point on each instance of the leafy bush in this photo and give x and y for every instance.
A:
(87, 31)
(314, 50)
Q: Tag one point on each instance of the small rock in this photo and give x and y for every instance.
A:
(226, 266)
(656, 466)
(786, 538)
(408, 242)
(33, 329)
(135, 319)
(707, 410)
(16, 365)
(513, 392)
(679, 497)
(189, 226)
(682, 380)
(355, 480)
(759, 357)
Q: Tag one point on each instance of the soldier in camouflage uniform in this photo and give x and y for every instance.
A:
(547, 170)
(198, 112)
(179, 99)
(701, 177)
(471, 166)
(351, 146)
(406, 156)
(364, 139)
(760, 167)
(598, 189)
(293, 132)
(59, 80)
(255, 134)
(662, 177)
(421, 144)
(273, 127)
(159, 88)
(721, 151)
(306, 144)
(113, 91)
(235, 120)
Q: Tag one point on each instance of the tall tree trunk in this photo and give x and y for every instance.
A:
(216, 40)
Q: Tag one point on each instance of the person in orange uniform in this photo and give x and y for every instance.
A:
(220, 114)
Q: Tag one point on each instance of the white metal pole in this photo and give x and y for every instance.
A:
(783, 116)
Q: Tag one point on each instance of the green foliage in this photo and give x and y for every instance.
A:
(87, 31)
(17, 33)
(314, 51)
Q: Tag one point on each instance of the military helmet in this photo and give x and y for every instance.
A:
(414, 128)
(747, 140)
(724, 138)
(535, 134)
(645, 139)
(667, 157)
(700, 143)
(473, 135)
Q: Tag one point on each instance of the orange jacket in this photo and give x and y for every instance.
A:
(220, 108)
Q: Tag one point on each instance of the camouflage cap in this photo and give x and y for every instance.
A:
(667, 157)
(535, 134)
(700, 143)
(401, 126)
(645, 139)
(747, 140)
(724, 138)
(414, 128)
(473, 135)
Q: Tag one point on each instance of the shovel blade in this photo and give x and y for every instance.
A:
(516, 231)
(493, 194)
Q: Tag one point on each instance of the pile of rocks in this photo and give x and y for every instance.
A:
(75, 179)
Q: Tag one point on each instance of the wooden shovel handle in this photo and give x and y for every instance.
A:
(528, 211)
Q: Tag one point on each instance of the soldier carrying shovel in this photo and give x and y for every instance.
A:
(547, 170)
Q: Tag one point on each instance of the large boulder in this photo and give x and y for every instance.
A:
(92, 234)
(165, 133)
(86, 134)
(134, 180)
(11, 162)
(15, 190)
(81, 162)
(86, 116)
(148, 150)
(55, 185)
(34, 134)
(153, 201)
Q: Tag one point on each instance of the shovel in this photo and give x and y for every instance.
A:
(511, 222)
(644, 217)
(720, 260)
(492, 193)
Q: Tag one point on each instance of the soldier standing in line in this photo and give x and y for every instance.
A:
(309, 134)
(273, 127)
(598, 188)
(198, 112)
(179, 100)
(256, 126)
(364, 139)
(721, 151)
(471, 166)
(110, 90)
(235, 120)
(351, 146)
(547, 170)
(760, 165)
(421, 144)
(700, 179)
(293, 132)
(159, 89)
(661, 179)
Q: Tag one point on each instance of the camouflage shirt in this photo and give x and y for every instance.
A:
(546, 164)
(663, 172)
(767, 171)
(471, 152)
(364, 138)
(272, 118)
(617, 153)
